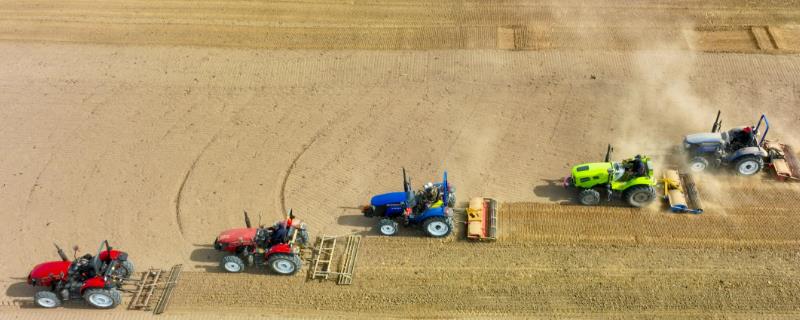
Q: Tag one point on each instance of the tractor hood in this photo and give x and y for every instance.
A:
(591, 169)
(705, 138)
(245, 235)
(56, 269)
(388, 198)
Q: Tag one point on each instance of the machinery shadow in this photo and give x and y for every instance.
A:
(554, 191)
(205, 254)
(355, 221)
(20, 289)
(77, 304)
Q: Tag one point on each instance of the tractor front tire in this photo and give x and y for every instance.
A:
(232, 264)
(698, 164)
(284, 264)
(387, 227)
(102, 298)
(749, 165)
(46, 299)
(437, 227)
(589, 197)
(640, 196)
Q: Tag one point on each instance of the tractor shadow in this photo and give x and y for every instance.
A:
(554, 190)
(207, 259)
(20, 289)
(368, 226)
(76, 304)
(22, 294)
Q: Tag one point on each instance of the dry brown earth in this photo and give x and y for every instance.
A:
(153, 124)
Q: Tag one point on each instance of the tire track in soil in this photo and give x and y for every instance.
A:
(328, 126)
(179, 195)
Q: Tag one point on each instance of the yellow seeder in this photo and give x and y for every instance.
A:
(482, 219)
(681, 192)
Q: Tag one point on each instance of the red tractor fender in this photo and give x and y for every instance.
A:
(96, 282)
(104, 255)
(279, 248)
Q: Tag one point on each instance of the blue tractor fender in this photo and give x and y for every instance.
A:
(756, 151)
(429, 213)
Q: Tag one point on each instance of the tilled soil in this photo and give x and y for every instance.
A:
(549, 260)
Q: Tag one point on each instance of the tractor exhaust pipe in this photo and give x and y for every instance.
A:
(608, 153)
(247, 220)
(405, 181)
(61, 253)
(717, 124)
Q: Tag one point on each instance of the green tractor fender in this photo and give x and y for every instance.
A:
(624, 185)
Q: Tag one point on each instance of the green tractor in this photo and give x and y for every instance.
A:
(631, 179)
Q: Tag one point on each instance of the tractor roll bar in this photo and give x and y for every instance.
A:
(766, 128)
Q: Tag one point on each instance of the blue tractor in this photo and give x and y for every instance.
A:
(745, 149)
(431, 208)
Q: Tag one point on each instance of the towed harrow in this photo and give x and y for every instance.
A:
(325, 255)
(154, 289)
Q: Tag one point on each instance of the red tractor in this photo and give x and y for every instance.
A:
(274, 247)
(97, 279)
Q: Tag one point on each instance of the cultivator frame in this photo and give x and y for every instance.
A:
(324, 256)
(146, 287)
(783, 161)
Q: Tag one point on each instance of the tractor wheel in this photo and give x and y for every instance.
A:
(589, 197)
(124, 269)
(387, 227)
(46, 299)
(749, 165)
(640, 196)
(698, 164)
(284, 264)
(437, 227)
(102, 298)
(451, 200)
(232, 264)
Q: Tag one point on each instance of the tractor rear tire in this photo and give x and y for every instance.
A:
(589, 197)
(749, 165)
(284, 264)
(698, 164)
(640, 196)
(437, 227)
(46, 299)
(124, 269)
(388, 227)
(102, 298)
(232, 264)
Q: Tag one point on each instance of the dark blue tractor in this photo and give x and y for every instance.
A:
(744, 149)
(431, 208)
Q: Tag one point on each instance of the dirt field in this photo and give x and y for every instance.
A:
(154, 124)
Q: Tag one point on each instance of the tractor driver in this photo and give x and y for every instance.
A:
(429, 197)
(635, 167)
(743, 138)
(279, 234)
(83, 268)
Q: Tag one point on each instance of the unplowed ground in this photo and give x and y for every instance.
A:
(154, 124)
